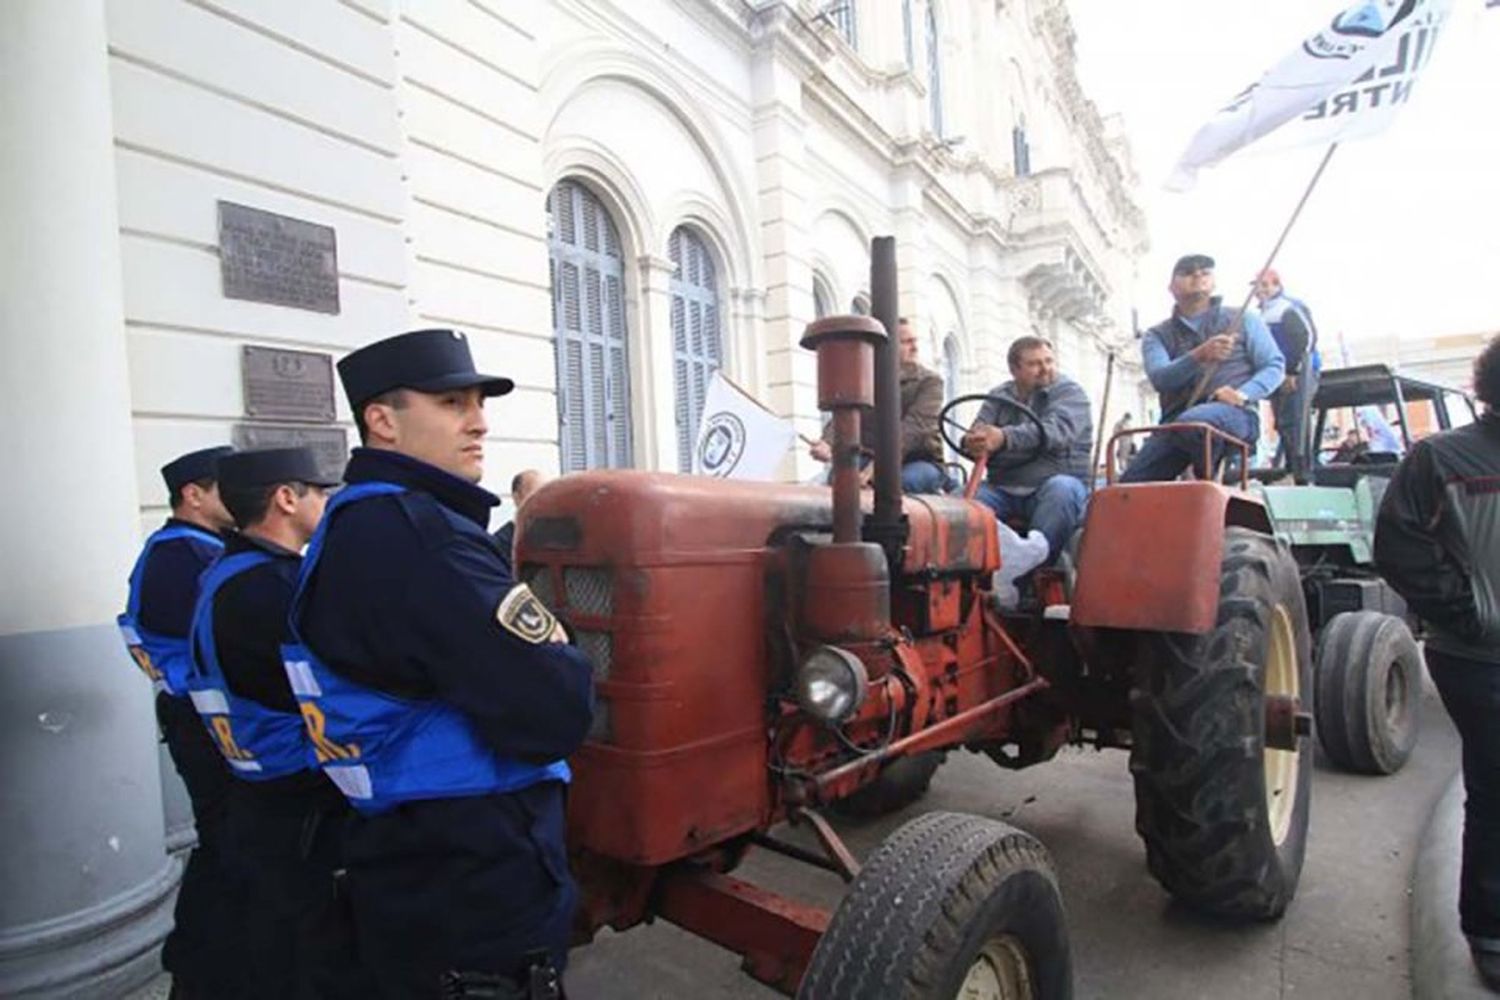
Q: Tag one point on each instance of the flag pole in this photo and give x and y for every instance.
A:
(1234, 329)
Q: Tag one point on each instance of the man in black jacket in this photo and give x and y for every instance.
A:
(284, 817)
(202, 948)
(1437, 540)
(441, 695)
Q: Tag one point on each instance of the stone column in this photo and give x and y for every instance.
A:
(87, 884)
(780, 131)
(658, 388)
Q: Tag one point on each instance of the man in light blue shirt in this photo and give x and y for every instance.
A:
(1243, 369)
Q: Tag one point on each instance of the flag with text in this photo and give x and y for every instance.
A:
(1344, 82)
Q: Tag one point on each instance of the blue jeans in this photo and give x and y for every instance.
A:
(919, 476)
(922, 476)
(1291, 409)
(1167, 453)
(1471, 693)
(1055, 509)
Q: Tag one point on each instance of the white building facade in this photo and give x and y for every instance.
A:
(612, 197)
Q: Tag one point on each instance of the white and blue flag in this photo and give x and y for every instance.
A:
(1346, 81)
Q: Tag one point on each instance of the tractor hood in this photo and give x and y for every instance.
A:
(1325, 516)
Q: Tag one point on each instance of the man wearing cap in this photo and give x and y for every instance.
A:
(1211, 365)
(163, 588)
(1292, 328)
(284, 815)
(441, 696)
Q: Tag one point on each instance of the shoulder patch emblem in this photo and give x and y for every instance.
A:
(523, 615)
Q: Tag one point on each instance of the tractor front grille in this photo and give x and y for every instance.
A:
(539, 579)
(599, 648)
(589, 591)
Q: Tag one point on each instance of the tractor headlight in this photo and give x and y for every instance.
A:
(831, 684)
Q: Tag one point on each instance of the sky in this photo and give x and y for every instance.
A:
(1401, 236)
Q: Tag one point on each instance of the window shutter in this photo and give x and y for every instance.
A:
(697, 346)
(588, 318)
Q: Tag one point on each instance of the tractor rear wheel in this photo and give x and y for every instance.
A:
(904, 781)
(1224, 815)
(1369, 690)
(949, 905)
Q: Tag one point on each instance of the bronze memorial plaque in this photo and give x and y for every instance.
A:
(287, 385)
(265, 257)
(329, 444)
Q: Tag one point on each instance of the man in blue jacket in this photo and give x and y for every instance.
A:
(441, 696)
(1291, 325)
(284, 817)
(1211, 365)
(200, 950)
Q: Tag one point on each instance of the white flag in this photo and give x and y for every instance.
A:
(1344, 82)
(738, 438)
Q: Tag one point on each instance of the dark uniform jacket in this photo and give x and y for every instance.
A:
(1437, 537)
(404, 603)
(169, 581)
(921, 402)
(250, 624)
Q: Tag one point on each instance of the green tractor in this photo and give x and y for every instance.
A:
(1368, 667)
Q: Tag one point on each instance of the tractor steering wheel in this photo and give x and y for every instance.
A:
(946, 422)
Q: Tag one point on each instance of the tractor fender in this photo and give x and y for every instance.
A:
(1150, 554)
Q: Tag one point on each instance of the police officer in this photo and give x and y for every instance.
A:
(285, 817)
(199, 952)
(441, 695)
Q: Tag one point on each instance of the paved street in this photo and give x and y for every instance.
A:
(1346, 933)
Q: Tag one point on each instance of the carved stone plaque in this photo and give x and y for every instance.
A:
(329, 444)
(287, 385)
(265, 257)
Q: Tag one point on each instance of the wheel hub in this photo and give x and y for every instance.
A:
(1000, 972)
(1282, 686)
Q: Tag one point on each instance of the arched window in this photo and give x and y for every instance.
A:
(697, 349)
(822, 297)
(1020, 148)
(934, 73)
(588, 324)
(860, 305)
(908, 33)
(951, 360)
(845, 20)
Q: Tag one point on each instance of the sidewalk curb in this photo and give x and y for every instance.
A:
(1441, 968)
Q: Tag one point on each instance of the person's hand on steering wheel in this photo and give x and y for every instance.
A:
(982, 440)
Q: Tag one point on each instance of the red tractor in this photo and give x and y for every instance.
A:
(763, 651)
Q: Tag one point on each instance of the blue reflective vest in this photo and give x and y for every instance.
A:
(162, 658)
(259, 743)
(380, 749)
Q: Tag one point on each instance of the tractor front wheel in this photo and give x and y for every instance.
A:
(948, 906)
(1369, 691)
(1223, 814)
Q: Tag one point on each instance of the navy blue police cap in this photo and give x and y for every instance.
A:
(194, 467)
(425, 360)
(271, 467)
